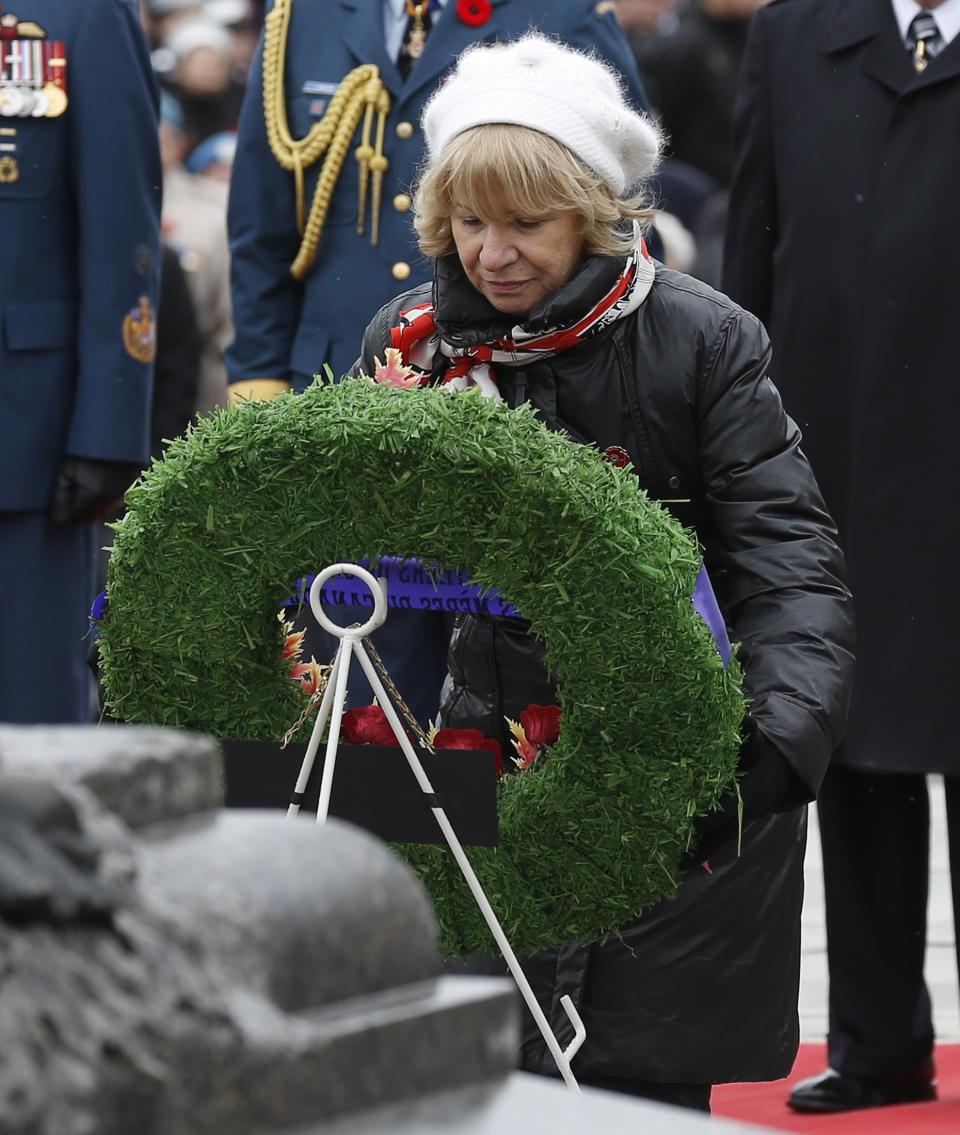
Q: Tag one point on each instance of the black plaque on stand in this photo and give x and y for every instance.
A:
(373, 787)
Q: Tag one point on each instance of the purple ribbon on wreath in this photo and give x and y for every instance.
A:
(413, 586)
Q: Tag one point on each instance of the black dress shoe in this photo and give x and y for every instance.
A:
(835, 1091)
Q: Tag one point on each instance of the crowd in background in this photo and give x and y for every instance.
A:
(688, 53)
(201, 52)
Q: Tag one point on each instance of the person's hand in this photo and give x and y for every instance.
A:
(768, 786)
(86, 490)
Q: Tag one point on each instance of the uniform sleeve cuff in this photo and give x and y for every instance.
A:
(257, 389)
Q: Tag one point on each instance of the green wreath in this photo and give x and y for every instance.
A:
(258, 496)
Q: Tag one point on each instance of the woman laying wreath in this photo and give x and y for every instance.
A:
(544, 292)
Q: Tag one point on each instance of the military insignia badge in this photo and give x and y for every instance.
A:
(33, 70)
(320, 95)
(140, 332)
(9, 171)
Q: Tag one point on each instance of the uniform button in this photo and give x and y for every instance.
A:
(402, 203)
(674, 483)
(401, 270)
(405, 130)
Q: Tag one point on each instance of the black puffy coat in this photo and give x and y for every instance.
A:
(702, 988)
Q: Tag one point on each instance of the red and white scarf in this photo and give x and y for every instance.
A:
(418, 340)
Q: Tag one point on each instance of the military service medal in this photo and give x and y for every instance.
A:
(55, 78)
(33, 70)
(418, 33)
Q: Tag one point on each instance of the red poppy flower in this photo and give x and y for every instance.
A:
(471, 739)
(616, 455)
(368, 725)
(474, 13)
(541, 724)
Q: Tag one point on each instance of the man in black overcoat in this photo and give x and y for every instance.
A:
(844, 237)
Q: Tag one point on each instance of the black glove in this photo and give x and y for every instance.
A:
(768, 785)
(86, 489)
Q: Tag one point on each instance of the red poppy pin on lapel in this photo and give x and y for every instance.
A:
(474, 13)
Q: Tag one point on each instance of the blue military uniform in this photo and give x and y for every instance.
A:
(288, 328)
(79, 250)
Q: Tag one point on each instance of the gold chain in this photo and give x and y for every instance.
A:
(317, 696)
(397, 697)
(362, 89)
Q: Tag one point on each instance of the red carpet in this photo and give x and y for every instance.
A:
(766, 1104)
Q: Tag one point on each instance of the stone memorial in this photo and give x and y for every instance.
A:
(171, 968)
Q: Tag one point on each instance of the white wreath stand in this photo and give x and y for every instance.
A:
(351, 643)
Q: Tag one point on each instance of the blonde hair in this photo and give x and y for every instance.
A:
(500, 168)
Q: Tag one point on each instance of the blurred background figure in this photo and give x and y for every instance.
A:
(640, 18)
(689, 57)
(206, 257)
(195, 189)
(689, 54)
(174, 146)
(177, 366)
(239, 18)
(213, 158)
(197, 64)
(678, 248)
(160, 17)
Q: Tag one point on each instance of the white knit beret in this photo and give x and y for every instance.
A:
(539, 83)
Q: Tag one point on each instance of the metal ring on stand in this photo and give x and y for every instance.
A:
(378, 588)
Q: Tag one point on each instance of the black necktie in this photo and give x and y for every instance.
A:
(418, 28)
(924, 40)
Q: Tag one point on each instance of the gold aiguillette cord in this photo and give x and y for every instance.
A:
(362, 89)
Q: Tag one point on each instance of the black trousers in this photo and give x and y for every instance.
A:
(875, 831)
(46, 588)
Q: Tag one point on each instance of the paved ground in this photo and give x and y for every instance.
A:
(941, 967)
